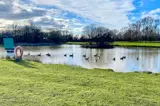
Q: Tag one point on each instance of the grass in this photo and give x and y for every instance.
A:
(77, 43)
(125, 43)
(36, 84)
(137, 44)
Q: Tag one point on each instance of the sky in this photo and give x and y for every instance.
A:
(74, 15)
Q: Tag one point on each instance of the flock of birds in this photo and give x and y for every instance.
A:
(122, 58)
(48, 54)
(98, 57)
(85, 56)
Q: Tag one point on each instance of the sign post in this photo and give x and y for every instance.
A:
(9, 46)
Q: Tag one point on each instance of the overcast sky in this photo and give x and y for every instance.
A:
(73, 15)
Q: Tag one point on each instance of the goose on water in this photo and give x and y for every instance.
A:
(87, 58)
(49, 55)
(84, 55)
(71, 55)
(39, 54)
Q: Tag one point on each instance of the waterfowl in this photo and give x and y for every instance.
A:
(124, 57)
(65, 55)
(95, 55)
(49, 55)
(87, 58)
(39, 54)
(114, 59)
(84, 55)
(71, 55)
(121, 58)
(28, 53)
(137, 58)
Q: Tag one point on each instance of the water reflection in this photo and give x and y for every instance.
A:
(137, 59)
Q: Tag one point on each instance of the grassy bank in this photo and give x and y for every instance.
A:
(125, 43)
(137, 44)
(35, 84)
(77, 43)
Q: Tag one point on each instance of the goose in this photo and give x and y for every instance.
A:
(95, 55)
(71, 55)
(49, 55)
(84, 55)
(87, 58)
(124, 57)
(39, 54)
(121, 58)
(137, 58)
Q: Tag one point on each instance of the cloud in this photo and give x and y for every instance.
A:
(4, 24)
(50, 23)
(111, 13)
(70, 15)
(13, 10)
(153, 13)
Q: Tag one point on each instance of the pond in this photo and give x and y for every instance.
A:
(135, 58)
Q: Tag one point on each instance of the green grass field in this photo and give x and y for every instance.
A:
(36, 84)
(125, 43)
(77, 43)
(137, 44)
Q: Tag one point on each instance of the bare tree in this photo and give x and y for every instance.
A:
(90, 31)
(15, 28)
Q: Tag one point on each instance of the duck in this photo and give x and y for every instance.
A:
(39, 54)
(49, 55)
(84, 55)
(28, 53)
(87, 58)
(95, 55)
(137, 58)
(124, 57)
(121, 58)
(71, 55)
(114, 59)
(65, 55)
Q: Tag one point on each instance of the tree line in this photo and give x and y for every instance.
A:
(146, 29)
(33, 34)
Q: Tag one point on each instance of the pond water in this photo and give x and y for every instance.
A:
(137, 59)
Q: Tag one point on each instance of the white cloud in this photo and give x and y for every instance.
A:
(111, 13)
(14, 10)
(152, 13)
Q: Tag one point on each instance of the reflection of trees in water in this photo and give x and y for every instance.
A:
(148, 59)
(106, 57)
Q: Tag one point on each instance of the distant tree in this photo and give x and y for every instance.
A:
(15, 27)
(90, 31)
(145, 29)
(55, 36)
